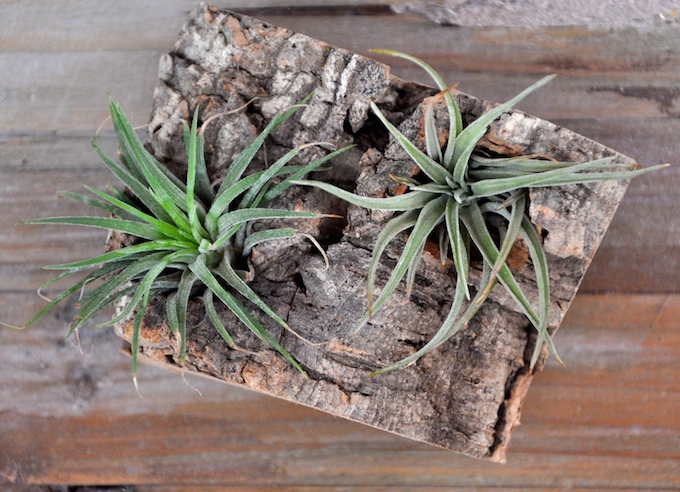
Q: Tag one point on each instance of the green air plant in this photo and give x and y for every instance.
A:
(456, 195)
(189, 240)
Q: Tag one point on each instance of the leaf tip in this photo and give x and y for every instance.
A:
(559, 359)
(384, 51)
(13, 327)
(134, 381)
(358, 327)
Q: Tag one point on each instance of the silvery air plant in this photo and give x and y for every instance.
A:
(188, 239)
(458, 194)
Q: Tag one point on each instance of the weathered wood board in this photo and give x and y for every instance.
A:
(608, 420)
(616, 87)
(73, 418)
(465, 396)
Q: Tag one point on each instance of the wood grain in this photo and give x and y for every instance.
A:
(63, 21)
(612, 74)
(637, 254)
(606, 421)
(609, 419)
(618, 88)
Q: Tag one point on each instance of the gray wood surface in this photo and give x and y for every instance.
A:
(609, 420)
(619, 88)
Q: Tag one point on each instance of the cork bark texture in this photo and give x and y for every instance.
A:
(467, 395)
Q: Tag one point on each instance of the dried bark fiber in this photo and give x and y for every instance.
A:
(465, 396)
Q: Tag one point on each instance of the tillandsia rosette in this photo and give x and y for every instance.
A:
(454, 198)
(189, 240)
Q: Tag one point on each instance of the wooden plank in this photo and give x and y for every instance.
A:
(607, 420)
(51, 151)
(57, 80)
(24, 249)
(641, 250)
(130, 75)
(647, 268)
(339, 488)
(637, 254)
(76, 25)
(68, 91)
(577, 51)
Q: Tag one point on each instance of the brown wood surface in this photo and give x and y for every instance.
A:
(608, 420)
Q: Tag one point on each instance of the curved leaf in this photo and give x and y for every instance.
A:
(137, 187)
(468, 138)
(429, 217)
(474, 221)
(93, 202)
(203, 187)
(388, 232)
(566, 175)
(312, 166)
(254, 190)
(242, 160)
(237, 217)
(266, 235)
(459, 247)
(214, 318)
(452, 324)
(435, 171)
(145, 247)
(434, 151)
(226, 272)
(202, 272)
(538, 258)
(455, 119)
(133, 228)
(407, 201)
(161, 226)
(186, 283)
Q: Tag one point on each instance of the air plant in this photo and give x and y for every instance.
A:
(457, 194)
(188, 239)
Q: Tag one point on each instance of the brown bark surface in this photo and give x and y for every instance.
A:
(465, 396)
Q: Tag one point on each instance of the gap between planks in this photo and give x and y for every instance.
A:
(607, 419)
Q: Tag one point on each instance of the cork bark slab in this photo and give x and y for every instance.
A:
(465, 396)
